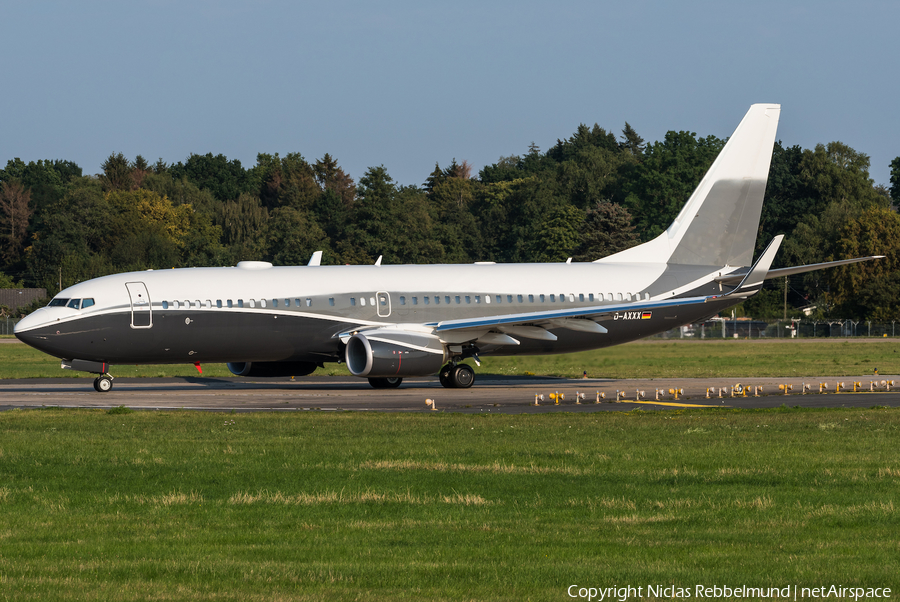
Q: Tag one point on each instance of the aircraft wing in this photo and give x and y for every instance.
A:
(534, 325)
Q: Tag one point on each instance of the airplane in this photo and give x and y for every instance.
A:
(388, 322)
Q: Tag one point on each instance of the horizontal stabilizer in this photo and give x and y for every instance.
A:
(798, 269)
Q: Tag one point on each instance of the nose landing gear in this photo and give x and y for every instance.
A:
(103, 383)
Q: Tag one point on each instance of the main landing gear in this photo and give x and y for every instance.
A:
(103, 383)
(457, 376)
(390, 382)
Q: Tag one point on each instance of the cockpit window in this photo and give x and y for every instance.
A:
(72, 303)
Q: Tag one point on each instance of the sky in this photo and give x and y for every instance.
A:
(410, 84)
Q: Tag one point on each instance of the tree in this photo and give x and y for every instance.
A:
(895, 180)
(330, 176)
(294, 237)
(225, 179)
(869, 289)
(631, 142)
(117, 173)
(607, 229)
(244, 227)
(14, 214)
(557, 237)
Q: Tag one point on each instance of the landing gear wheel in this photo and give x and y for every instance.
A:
(390, 382)
(445, 376)
(462, 376)
(102, 384)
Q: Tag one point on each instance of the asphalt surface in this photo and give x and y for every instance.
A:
(509, 394)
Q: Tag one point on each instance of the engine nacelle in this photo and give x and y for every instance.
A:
(262, 369)
(381, 353)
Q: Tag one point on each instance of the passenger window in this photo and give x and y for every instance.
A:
(331, 301)
(87, 303)
(207, 304)
(457, 299)
(437, 299)
(362, 301)
(219, 303)
(241, 303)
(509, 298)
(619, 296)
(572, 298)
(415, 300)
(262, 302)
(274, 302)
(628, 296)
(402, 299)
(542, 298)
(297, 302)
(174, 304)
(197, 304)
(371, 301)
(230, 304)
(252, 303)
(427, 300)
(647, 296)
(287, 303)
(591, 297)
(352, 301)
(553, 298)
(531, 298)
(309, 302)
(581, 297)
(477, 298)
(519, 298)
(468, 299)
(447, 299)
(165, 305)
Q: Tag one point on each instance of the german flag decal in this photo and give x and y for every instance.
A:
(646, 315)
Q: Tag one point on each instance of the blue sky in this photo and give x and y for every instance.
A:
(408, 84)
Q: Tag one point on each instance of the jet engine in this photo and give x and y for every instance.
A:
(271, 368)
(382, 353)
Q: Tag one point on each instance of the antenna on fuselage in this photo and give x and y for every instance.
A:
(316, 259)
(378, 261)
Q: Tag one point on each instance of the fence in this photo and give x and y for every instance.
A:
(780, 329)
(7, 324)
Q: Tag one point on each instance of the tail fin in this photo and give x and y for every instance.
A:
(718, 224)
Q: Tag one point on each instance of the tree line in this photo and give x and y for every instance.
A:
(588, 196)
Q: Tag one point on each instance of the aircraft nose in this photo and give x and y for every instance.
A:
(29, 322)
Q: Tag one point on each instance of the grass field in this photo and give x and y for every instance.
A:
(344, 506)
(652, 358)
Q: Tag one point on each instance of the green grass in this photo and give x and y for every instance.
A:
(344, 506)
(643, 359)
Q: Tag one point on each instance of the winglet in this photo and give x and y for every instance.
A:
(753, 281)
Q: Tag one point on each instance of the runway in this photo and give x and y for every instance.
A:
(495, 394)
